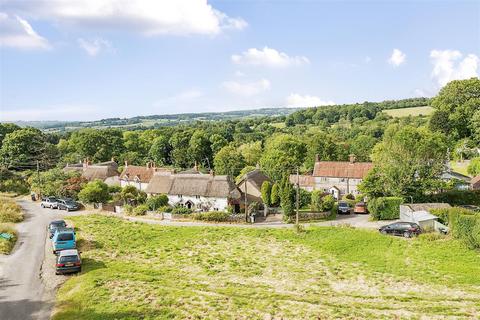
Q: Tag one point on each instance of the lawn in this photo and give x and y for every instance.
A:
(134, 270)
(405, 112)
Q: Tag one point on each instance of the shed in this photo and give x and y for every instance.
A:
(420, 214)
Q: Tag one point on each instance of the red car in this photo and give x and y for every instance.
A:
(360, 207)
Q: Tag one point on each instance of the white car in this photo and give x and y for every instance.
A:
(49, 202)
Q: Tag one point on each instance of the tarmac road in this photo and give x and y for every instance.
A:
(23, 295)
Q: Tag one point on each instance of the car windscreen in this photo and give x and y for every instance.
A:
(54, 225)
(65, 237)
(68, 259)
(343, 205)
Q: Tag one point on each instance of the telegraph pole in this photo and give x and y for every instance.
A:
(298, 198)
(38, 180)
(246, 205)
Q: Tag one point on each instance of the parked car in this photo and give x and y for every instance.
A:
(470, 207)
(49, 202)
(68, 261)
(405, 229)
(344, 208)
(360, 207)
(68, 205)
(63, 239)
(54, 225)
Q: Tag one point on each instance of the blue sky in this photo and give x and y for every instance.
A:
(92, 59)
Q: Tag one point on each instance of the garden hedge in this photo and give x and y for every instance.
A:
(385, 208)
(464, 224)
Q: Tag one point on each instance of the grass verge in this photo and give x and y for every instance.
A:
(6, 245)
(141, 271)
(10, 211)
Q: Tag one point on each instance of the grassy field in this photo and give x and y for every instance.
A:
(460, 167)
(405, 112)
(140, 271)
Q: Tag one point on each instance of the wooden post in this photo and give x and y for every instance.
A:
(298, 197)
(246, 204)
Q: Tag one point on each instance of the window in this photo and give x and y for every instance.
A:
(65, 237)
(197, 197)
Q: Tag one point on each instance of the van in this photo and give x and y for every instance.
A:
(63, 239)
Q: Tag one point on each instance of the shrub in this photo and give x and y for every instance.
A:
(385, 208)
(181, 210)
(328, 203)
(443, 214)
(275, 195)
(158, 201)
(316, 200)
(140, 210)
(333, 212)
(216, 216)
(10, 211)
(464, 224)
(305, 198)
(165, 209)
(6, 246)
(128, 209)
(455, 197)
(349, 197)
(266, 193)
(94, 192)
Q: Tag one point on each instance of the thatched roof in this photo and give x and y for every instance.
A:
(99, 172)
(205, 185)
(475, 183)
(256, 177)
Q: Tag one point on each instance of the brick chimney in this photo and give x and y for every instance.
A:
(352, 158)
(126, 163)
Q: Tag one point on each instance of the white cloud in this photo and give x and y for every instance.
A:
(16, 32)
(94, 46)
(149, 17)
(297, 100)
(397, 58)
(448, 65)
(268, 57)
(247, 88)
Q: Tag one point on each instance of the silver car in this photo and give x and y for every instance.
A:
(49, 202)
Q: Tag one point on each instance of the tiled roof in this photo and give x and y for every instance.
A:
(342, 169)
(257, 178)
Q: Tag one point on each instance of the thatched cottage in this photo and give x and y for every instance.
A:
(196, 191)
(140, 176)
(104, 171)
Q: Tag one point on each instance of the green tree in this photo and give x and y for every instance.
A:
(217, 142)
(408, 162)
(6, 128)
(228, 161)
(199, 147)
(180, 149)
(275, 195)
(361, 147)
(96, 145)
(316, 200)
(243, 172)
(266, 193)
(23, 148)
(251, 152)
(287, 198)
(94, 192)
(160, 151)
(282, 154)
(321, 144)
(474, 167)
(456, 104)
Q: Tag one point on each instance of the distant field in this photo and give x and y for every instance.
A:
(279, 125)
(140, 271)
(405, 112)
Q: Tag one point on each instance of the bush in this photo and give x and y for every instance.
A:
(455, 197)
(275, 195)
(216, 216)
(385, 208)
(94, 192)
(181, 210)
(10, 211)
(349, 197)
(316, 200)
(158, 201)
(165, 209)
(333, 212)
(464, 224)
(328, 202)
(266, 193)
(128, 209)
(140, 210)
(6, 246)
(305, 198)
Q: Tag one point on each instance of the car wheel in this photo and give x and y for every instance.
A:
(383, 232)
(68, 210)
(42, 205)
(407, 234)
